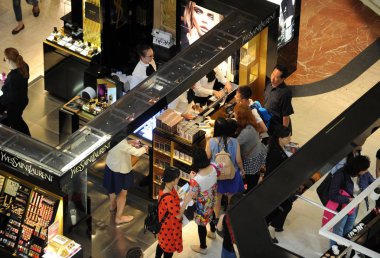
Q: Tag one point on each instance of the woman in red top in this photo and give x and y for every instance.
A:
(170, 235)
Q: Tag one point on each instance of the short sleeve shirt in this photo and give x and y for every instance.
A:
(170, 234)
(278, 100)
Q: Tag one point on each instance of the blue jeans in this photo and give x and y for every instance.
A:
(17, 8)
(227, 254)
(345, 225)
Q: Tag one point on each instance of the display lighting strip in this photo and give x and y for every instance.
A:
(102, 140)
(324, 231)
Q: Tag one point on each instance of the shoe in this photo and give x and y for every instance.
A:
(275, 240)
(14, 32)
(278, 229)
(36, 11)
(198, 249)
(211, 235)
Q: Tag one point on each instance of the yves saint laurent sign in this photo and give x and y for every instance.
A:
(264, 23)
(25, 167)
(90, 159)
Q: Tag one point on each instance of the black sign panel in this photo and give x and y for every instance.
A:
(92, 12)
(26, 167)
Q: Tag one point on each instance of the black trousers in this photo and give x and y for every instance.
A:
(14, 119)
(202, 233)
(277, 217)
(252, 181)
(159, 252)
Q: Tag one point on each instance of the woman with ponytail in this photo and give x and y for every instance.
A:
(15, 90)
(222, 141)
(170, 214)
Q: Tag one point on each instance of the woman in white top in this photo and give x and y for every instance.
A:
(118, 177)
(203, 186)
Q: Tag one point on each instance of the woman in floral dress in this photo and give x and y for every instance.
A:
(203, 186)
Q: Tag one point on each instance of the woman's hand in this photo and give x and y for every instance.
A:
(192, 174)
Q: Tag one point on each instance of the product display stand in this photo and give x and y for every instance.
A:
(171, 150)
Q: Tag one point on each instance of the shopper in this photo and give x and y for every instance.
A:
(18, 13)
(253, 151)
(347, 183)
(203, 185)
(146, 65)
(119, 177)
(276, 155)
(278, 99)
(243, 96)
(15, 91)
(355, 152)
(170, 235)
(228, 250)
(214, 146)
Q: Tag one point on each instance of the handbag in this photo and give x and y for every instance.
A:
(190, 211)
(327, 216)
(324, 188)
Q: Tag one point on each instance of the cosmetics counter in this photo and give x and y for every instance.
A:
(30, 218)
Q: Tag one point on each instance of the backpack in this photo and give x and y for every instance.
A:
(263, 112)
(324, 188)
(225, 165)
(151, 222)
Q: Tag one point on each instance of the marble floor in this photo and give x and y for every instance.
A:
(332, 34)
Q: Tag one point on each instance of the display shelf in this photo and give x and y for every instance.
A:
(162, 152)
(178, 147)
(183, 161)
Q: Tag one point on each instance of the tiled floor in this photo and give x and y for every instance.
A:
(328, 41)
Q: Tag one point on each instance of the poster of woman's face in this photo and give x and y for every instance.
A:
(285, 21)
(196, 21)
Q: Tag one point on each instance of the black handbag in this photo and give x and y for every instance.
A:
(324, 188)
(190, 211)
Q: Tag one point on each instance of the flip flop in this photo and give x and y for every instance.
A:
(124, 222)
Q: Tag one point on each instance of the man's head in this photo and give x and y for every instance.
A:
(278, 75)
(243, 94)
(145, 53)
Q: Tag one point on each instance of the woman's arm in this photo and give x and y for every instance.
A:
(208, 148)
(238, 159)
(220, 223)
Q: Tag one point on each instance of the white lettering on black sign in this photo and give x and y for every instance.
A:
(90, 159)
(24, 166)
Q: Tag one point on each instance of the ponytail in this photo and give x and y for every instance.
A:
(22, 66)
(13, 55)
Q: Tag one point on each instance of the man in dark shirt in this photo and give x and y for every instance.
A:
(278, 99)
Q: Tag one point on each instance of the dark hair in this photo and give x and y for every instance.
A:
(221, 129)
(170, 174)
(135, 252)
(200, 159)
(279, 132)
(13, 55)
(356, 165)
(282, 69)
(232, 127)
(245, 92)
(142, 49)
